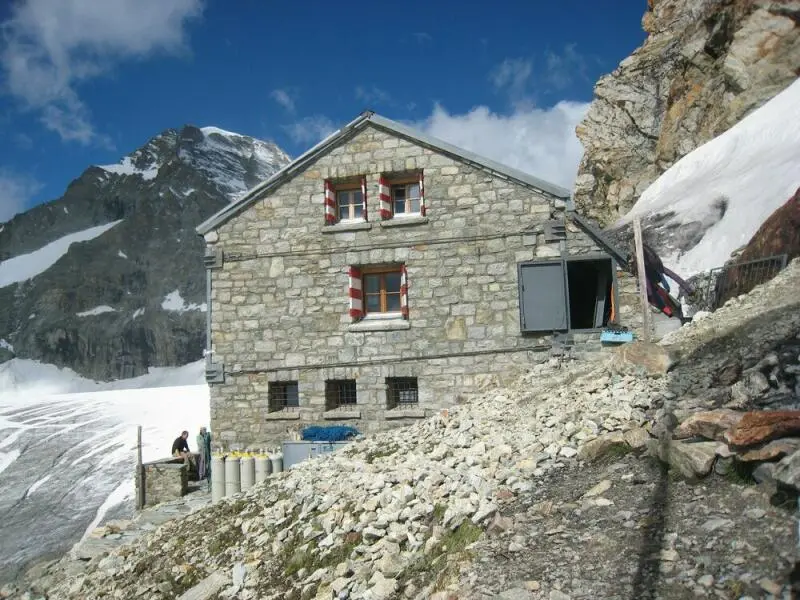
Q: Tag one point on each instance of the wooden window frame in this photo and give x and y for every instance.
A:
(382, 293)
(404, 182)
(348, 188)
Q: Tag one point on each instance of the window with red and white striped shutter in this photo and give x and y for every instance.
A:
(364, 198)
(330, 204)
(404, 292)
(356, 295)
(385, 197)
(421, 193)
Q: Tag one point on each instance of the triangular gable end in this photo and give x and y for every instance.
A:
(394, 128)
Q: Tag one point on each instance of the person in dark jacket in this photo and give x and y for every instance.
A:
(180, 447)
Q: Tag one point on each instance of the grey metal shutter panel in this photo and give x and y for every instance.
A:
(543, 296)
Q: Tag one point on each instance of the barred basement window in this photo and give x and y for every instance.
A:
(283, 395)
(340, 393)
(401, 392)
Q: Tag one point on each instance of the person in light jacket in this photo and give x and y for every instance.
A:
(204, 449)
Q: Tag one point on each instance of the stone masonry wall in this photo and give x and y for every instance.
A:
(165, 481)
(280, 302)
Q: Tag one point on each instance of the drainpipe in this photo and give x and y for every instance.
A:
(208, 351)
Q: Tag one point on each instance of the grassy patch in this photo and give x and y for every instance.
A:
(438, 512)
(371, 457)
(441, 565)
(740, 474)
(224, 538)
(302, 556)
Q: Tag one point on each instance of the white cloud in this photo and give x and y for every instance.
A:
(310, 130)
(539, 141)
(372, 95)
(283, 98)
(564, 67)
(49, 47)
(512, 76)
(16, 191)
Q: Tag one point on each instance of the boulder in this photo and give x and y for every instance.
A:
(763, 426)
(644, 357)
(599, 447)
(787, 472)
(711, 424)
(772, 450)
(692, 460)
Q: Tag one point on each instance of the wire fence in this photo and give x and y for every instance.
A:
(739, 278)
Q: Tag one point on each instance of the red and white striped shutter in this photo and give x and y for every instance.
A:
(422, 193)
(384, 194)
(330, 204)
(364, 197)
(356, 295)
(404, 292)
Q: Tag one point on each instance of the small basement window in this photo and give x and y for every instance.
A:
(401, 392)
(340, 393)
(283, 395)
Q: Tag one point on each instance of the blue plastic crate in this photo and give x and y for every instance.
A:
(616, 337)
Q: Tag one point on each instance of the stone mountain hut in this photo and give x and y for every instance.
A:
(385, 273)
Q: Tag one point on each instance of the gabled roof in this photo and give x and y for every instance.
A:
(350, 129)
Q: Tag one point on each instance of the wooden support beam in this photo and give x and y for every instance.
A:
(637, 237)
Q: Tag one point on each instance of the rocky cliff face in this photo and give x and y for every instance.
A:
(108, 279)
(704, 66)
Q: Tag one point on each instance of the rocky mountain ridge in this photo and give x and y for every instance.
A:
(705, 65)
(108, 279)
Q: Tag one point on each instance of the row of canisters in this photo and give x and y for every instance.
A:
(239, 471)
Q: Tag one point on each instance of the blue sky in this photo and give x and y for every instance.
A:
(85, 82)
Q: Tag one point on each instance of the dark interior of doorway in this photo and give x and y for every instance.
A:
(590, 291)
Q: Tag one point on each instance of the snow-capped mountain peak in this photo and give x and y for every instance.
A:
(234, 162)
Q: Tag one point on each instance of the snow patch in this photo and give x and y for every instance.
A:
(37, 484)
(138, 313)
(97, 310)
(6, 458)
(33, 316)
(210, 130)
(126, 167)
(189, 192)
(27, 266)
(66, 210)
(173, 302)
(716, 197)
(121, 254)
(6, 346)
(23, 378)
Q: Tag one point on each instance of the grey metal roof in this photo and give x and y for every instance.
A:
(398, 129)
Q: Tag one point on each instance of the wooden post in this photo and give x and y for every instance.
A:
(637, 237)
(139, 470)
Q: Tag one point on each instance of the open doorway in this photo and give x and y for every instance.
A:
(589, 284)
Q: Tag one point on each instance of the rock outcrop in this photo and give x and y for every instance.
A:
(108, 280)
(704, 66)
